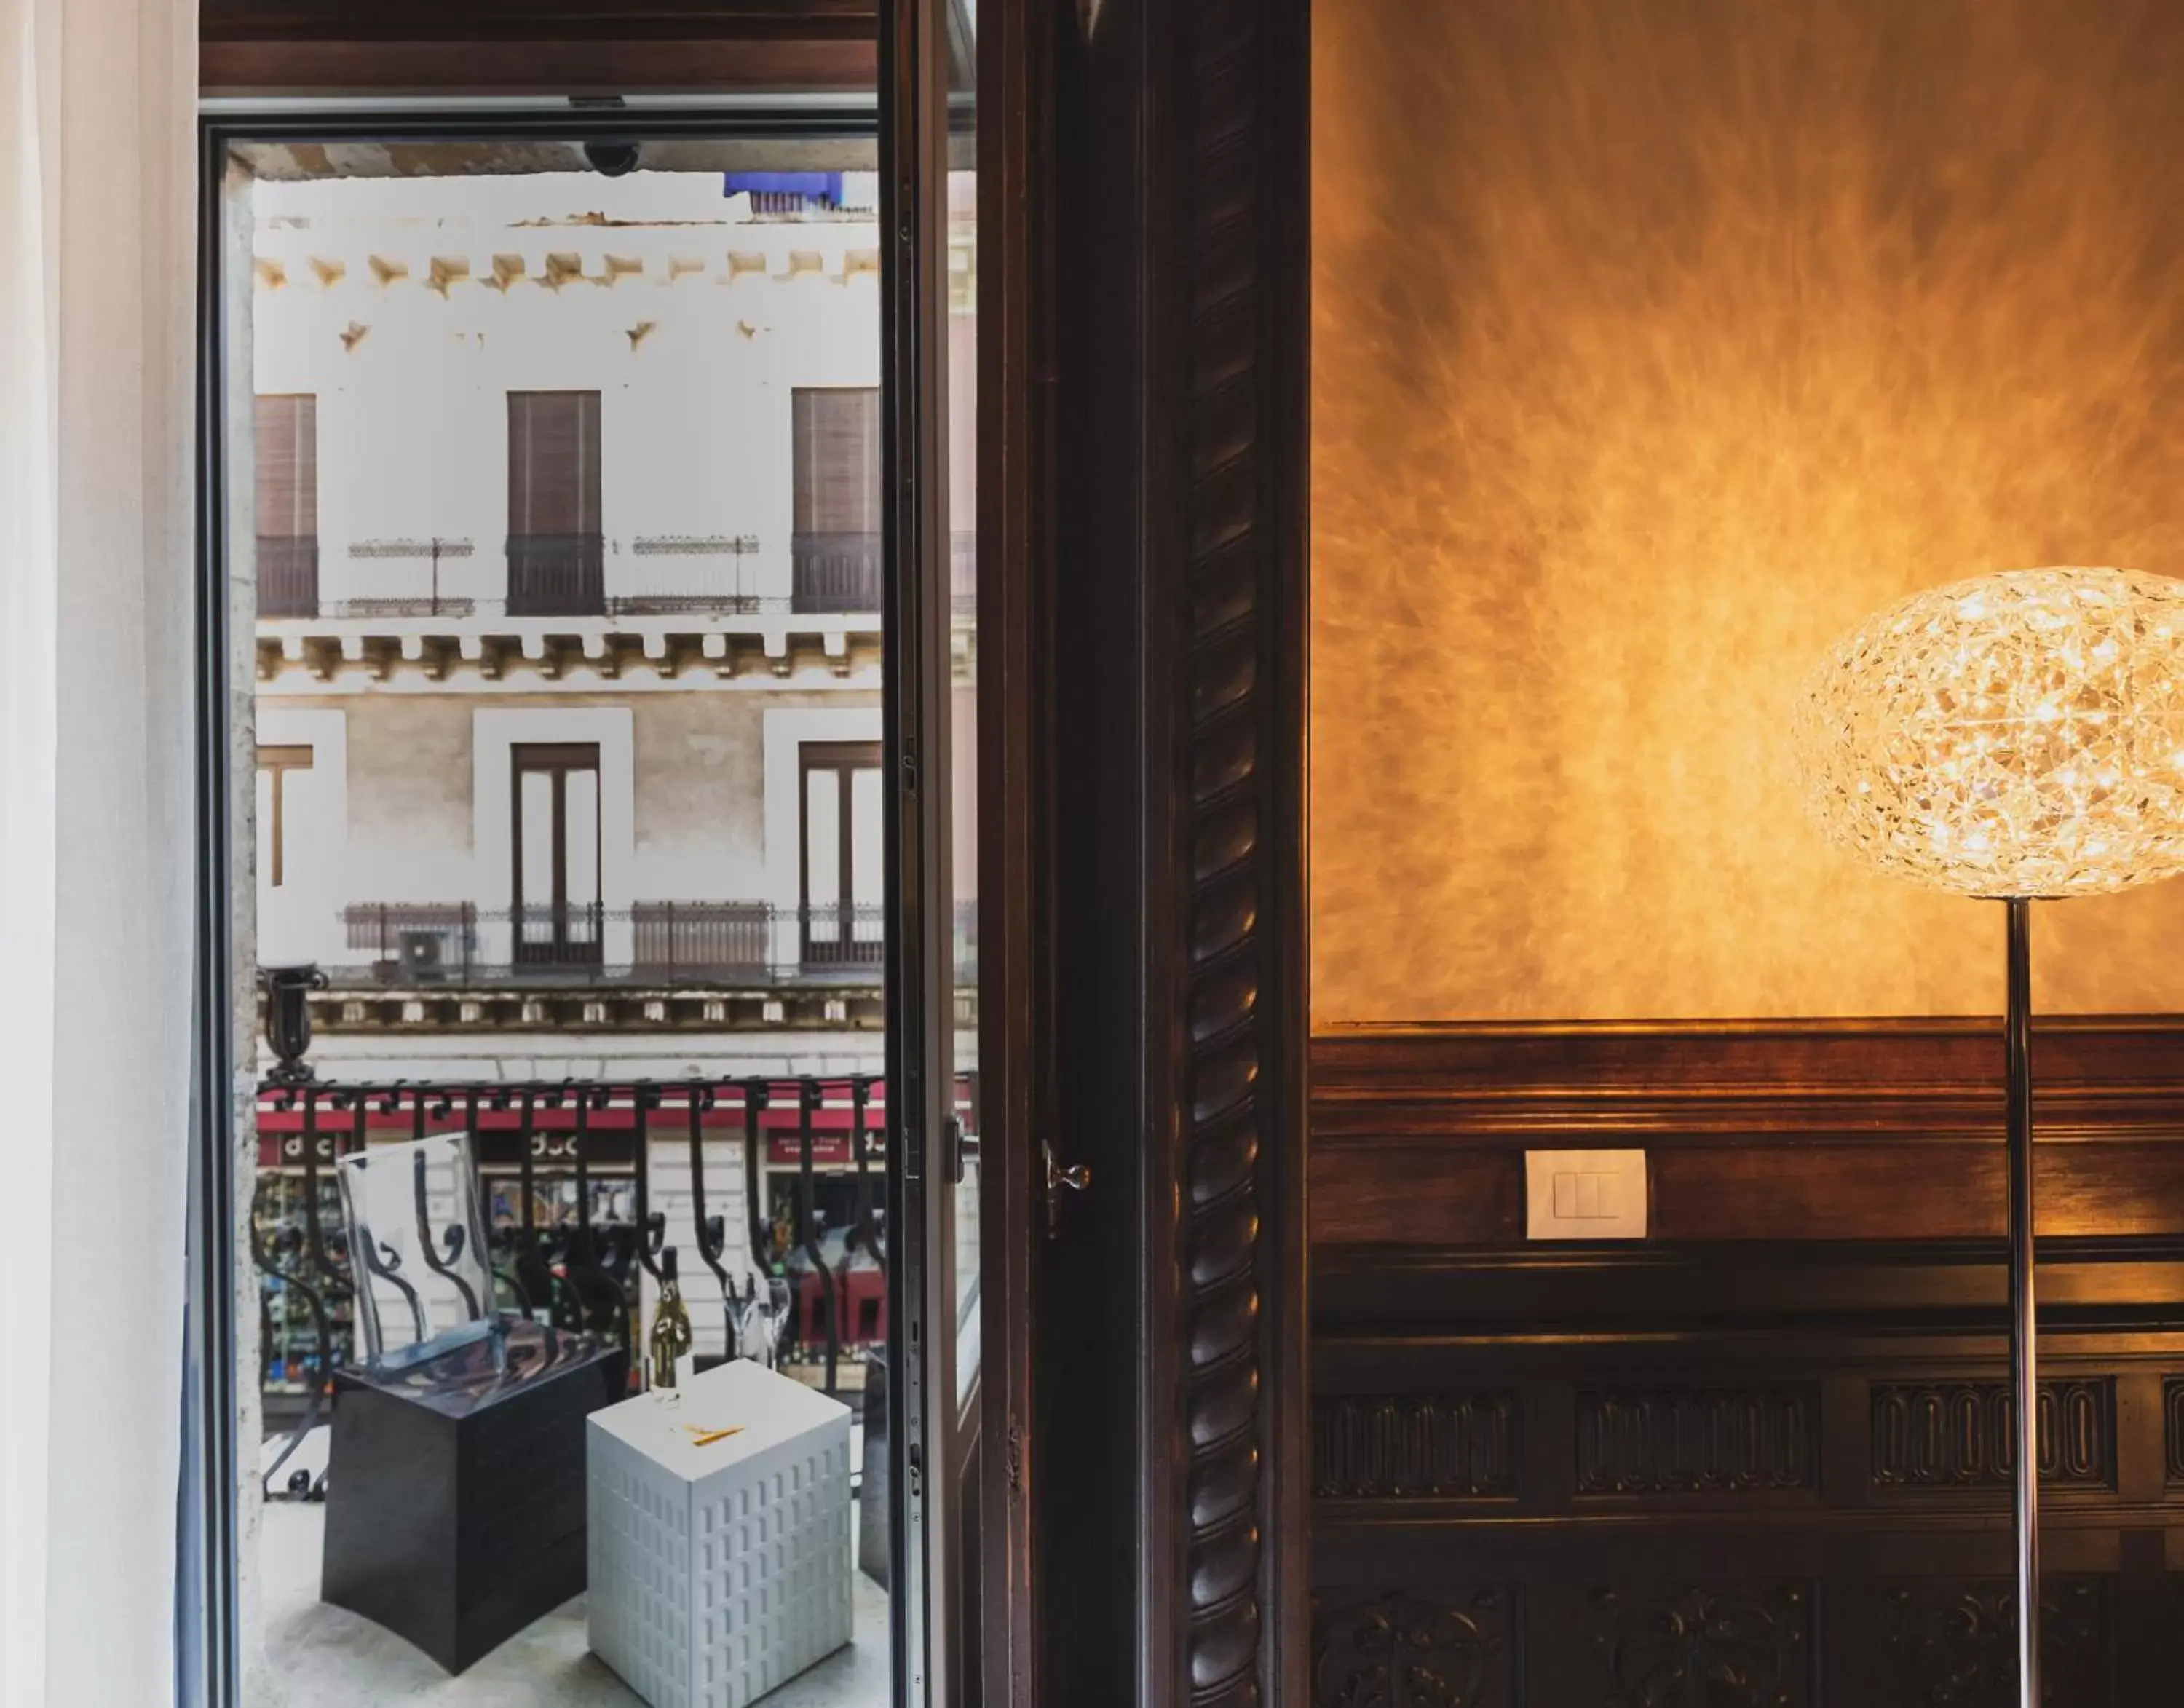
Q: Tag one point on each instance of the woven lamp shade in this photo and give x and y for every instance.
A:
(2019, 733)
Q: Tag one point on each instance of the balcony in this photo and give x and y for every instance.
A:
(748, 945)
(556, 575)
(843, 934)
(288, 576)
(772, 1191)
(832, 572)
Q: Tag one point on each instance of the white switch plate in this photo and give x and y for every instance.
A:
(1584, 1195)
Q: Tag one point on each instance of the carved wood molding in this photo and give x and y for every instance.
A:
(1238, 1247)
(1739, 1646)
(1954, 1645)
(1396, 1650)
(1698, 1441)
(1787, 1132)
(1382, 1446)
(1959, 1435)
(1934, 1078)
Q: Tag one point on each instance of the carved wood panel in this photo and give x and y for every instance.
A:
(1705, 1646)
(1941, 1435)
(1695, 1441)
(1382, 1445)
(1954, 1645)
(1397, 1650)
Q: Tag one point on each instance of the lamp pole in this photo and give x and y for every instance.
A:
(2016, 1044)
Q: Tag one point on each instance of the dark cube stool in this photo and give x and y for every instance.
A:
(456, 1484)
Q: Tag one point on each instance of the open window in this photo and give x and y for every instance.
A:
(589, 1162)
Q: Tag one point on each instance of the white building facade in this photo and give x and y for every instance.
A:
(565, 502)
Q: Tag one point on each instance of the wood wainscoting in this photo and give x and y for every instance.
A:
(1761, 1459)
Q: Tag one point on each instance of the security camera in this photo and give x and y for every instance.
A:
(611, 159)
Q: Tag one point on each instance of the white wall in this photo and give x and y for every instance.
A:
(694, 335)
(301, 920)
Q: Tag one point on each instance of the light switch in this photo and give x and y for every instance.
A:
(1584, 1195)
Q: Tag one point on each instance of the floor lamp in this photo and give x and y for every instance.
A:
(2017, 737)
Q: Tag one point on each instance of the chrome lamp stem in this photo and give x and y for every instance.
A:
(2017, 1038)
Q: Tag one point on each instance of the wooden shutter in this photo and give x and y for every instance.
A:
(553, 463)
(287, 439)
(838, 459)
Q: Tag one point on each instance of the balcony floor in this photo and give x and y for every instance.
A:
(320, 1656)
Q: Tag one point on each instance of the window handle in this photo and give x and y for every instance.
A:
(1075, 1178)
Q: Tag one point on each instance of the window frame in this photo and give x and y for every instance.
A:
(277, 759)
(558, 760)
(208, 1533)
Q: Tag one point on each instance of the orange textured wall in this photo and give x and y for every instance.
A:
(1652, 345)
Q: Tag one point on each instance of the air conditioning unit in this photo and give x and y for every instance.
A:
(421, 955)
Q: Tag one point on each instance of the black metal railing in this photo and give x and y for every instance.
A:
(667, 938)
(558, 934)
(834, 572)
(556, 575)
(843, 934)
(288, 576)
(417, 945)
(565, 1170)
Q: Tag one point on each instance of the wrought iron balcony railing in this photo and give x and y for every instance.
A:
(288, 576)
(834, 572)
(556, 575)
(728, 944)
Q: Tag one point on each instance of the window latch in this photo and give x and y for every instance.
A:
(1074, 1178)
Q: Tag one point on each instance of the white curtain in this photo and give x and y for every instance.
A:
(97, 285)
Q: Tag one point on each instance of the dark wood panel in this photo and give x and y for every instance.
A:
(511, 20)
(1954, 1644)
(1827, 1130)
(1727, 1645)
(1419, 1194)
(1393, 1651)
(532, 67)
(1937, 1642)
(561, 46)
(1762, 1456)
(1390, 1077)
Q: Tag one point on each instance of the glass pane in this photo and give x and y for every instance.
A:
(535, 878)
(580, 810)
(867, 841)
(822, 839)
(963, 588)
(540, 610)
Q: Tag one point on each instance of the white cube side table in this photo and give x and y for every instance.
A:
(719, 1572)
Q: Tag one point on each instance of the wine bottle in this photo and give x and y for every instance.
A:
(671, 1324)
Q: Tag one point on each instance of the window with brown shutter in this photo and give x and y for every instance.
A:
(836, 498)
(553, 463)
(288, 430)
(285, 430)
(555, 554)
(838, 459)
